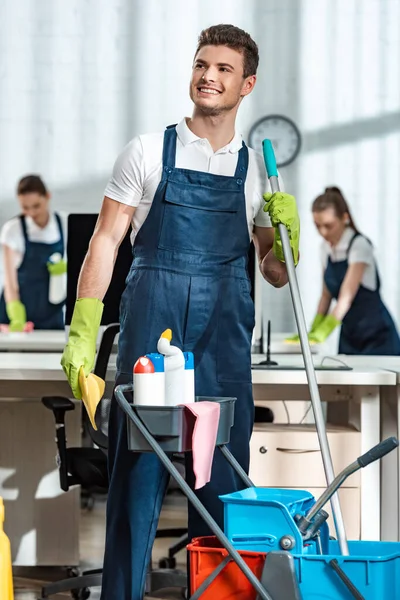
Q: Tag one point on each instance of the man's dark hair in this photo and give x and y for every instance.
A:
(31, 184)
(235, 38)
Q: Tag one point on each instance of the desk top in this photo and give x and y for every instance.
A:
(54, 341)
(36, 341)
(16, 366)
(361, 374)
(388, 363)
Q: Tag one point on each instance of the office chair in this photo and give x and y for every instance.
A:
(87, 467)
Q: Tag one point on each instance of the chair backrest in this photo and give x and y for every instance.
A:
(100, 437)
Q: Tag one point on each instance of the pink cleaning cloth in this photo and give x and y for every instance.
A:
(203, 439)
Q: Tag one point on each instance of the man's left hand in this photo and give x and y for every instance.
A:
(282, 209)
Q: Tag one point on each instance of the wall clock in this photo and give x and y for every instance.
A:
(284, 135)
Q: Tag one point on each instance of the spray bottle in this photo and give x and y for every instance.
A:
(58, 279)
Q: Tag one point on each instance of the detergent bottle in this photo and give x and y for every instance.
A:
(58, 282)
(189, 377)
(149, 380)
(174, 364)
(6, 581)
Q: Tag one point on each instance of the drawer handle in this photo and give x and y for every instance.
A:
(263, 450)
(295, 451)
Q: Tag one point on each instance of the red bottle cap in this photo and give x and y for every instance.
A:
(143, 365)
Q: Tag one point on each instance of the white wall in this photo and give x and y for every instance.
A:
(79, 79)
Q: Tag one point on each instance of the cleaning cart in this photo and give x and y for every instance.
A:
(279, 539)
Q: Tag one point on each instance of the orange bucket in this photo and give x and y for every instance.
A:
(206, 553)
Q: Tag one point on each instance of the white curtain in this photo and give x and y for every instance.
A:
(79, 79)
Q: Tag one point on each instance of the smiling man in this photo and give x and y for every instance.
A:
(194, 197)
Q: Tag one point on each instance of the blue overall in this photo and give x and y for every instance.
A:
(189, 273)
(33, 282)
(368, 327)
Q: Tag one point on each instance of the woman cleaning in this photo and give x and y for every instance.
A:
(33, 250)
(350, 277)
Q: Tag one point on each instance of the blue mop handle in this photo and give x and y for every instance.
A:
(269, 159)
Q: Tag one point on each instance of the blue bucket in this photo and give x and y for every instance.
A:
(256, 519)
(372, 567)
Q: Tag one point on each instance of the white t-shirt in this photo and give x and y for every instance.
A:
(361, 251)
(138, 169)
(11, 234)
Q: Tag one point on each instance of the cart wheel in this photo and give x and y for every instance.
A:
(87, 503)
(82, 594)
(167, 563)
(73, 572)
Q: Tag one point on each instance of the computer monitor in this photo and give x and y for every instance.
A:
(80, 230)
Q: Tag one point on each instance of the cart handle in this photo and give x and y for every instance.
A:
(378, 451)
(366, 459)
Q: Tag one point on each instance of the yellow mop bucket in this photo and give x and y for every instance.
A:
(6, 582)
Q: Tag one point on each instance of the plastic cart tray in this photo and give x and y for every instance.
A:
(172, 426)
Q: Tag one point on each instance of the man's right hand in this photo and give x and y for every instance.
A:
(80, 350)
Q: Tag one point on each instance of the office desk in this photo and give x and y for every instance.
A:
(42, 521)
(390, 425)
(361, 389)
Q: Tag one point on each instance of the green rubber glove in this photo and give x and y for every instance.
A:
(314, 325)
(58, 268)
(324, 329)
(282, 208)
(17, 314)
(80, 350)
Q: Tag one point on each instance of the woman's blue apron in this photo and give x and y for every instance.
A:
(34, 280)
(189, 273)
(367, 327)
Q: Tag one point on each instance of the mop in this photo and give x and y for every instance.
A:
(272, 172)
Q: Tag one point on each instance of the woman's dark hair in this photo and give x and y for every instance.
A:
(234, 38)
(31, 184)
(333, 198)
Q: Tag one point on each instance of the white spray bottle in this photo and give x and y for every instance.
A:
(174, 366)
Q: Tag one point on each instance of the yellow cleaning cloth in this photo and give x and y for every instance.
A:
(92, 388)
(6, 580)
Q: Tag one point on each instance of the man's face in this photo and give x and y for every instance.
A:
(217, 83)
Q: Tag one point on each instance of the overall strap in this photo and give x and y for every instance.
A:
(169, 147)
(24, 229)
(60, 228)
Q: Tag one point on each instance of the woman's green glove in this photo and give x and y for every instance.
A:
(80, 350)
(324, 329)
(314, 325)
(16, 312)
(58, 268)
(282, 208)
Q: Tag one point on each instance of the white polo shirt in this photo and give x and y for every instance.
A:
(361, 251)
(138, 169)
(11, 234)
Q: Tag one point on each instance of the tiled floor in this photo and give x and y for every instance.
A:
(92, 547)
